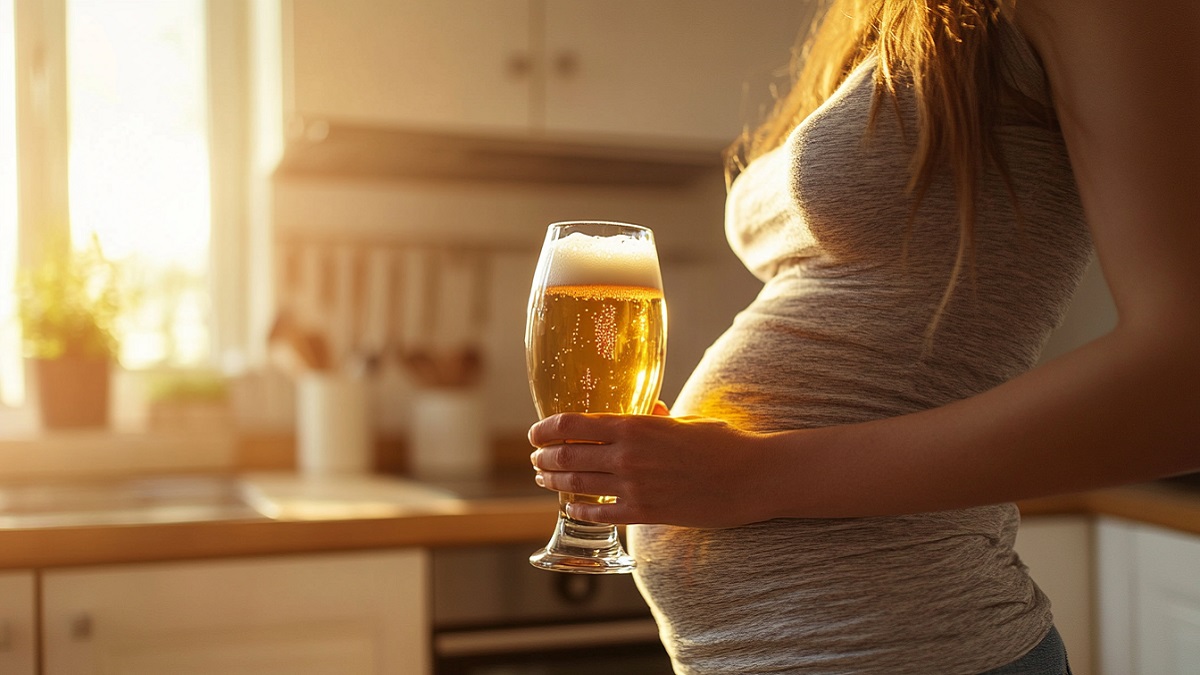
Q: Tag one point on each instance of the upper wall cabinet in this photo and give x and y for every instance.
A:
(438, 65)
(619, 81)
(696, 70)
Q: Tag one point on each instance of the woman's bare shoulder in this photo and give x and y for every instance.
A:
(1055, 26)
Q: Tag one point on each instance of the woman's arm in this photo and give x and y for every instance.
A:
(1124, 408)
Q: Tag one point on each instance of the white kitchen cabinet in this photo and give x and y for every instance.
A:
(18, 634)
(695, 70)
(579, 69)
(344, 614)
(1167, 611)
(1058, 552)
(1149, 600)
(461, 63)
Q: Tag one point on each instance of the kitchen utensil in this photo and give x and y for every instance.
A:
(377, 292)
(295, 349)
(341, 308)
(444, 309)
(453, 368)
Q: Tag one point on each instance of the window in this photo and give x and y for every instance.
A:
(11, 381)
(139, 164)
(107, 102)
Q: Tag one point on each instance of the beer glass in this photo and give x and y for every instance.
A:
(595, 341)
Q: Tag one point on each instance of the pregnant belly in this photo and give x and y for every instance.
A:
(771, 373)
(836, 593)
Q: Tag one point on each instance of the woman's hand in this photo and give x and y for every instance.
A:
(693, 471)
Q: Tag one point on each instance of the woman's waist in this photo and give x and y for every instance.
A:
(952, 554)
(898, 583)
(850, 596)
(986, 530)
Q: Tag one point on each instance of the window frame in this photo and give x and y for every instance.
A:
(42, 134)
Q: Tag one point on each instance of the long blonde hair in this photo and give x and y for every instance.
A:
(946, 51)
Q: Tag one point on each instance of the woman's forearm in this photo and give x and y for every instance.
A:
(1119, 410)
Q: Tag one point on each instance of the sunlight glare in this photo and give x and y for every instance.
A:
(139, 162)
(11, 380)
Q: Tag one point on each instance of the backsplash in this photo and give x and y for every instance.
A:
(444, 268)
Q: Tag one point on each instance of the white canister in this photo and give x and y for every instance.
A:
(449, 438)
(333, 425)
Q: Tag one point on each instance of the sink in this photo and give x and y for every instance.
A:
(287, 496)
(130, 501)
(206, 498)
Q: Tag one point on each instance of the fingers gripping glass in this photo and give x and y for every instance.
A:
(595, 341)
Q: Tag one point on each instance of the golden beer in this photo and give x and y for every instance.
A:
(596, 342)
(596, 348)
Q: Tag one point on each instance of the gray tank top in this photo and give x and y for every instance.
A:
(837, 336)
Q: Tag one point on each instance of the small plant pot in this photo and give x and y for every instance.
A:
(73, 392)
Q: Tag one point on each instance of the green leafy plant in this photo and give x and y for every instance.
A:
(190, 386)
(68, 305)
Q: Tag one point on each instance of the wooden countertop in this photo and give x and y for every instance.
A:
(1174, 506)
(474, 521)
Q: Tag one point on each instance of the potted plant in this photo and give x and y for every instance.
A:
(68, 306)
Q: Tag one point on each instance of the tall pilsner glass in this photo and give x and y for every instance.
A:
(595, 341)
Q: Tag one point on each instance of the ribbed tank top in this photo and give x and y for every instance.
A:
(836, 336)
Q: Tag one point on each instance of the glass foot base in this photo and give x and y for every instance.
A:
(584, 548)
(582, 564)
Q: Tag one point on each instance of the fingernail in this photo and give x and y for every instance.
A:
(537, 478)
(533, 457)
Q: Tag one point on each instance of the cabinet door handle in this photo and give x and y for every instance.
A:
(82, 627)
(566, 64)
(519, 66)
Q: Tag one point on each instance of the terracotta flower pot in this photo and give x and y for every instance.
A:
(73, 392)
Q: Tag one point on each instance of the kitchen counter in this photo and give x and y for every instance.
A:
(292, 516)
(1174, 505)
(456, 515)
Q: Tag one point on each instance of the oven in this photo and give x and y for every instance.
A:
(494, 614)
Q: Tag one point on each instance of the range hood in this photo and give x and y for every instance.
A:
(329, 148)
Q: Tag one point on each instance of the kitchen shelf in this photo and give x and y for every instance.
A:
(330, 148)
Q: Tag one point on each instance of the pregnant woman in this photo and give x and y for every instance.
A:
(833, 489)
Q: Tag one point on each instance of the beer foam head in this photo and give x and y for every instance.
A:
(618, 260)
